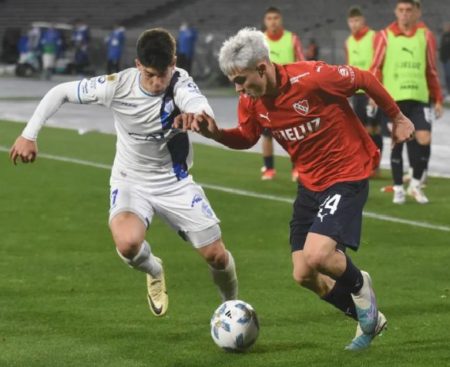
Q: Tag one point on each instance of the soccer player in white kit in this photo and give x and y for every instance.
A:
(150, 172)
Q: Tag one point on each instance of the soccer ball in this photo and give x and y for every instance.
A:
(234, 326)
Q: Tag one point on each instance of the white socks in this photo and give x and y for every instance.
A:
(144, 261)
(226, 279)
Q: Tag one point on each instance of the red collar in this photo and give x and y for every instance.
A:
(394, 28)
(421, 25)
(276, 36)
(361, 33)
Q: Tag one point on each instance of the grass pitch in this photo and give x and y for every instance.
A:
(66, 299)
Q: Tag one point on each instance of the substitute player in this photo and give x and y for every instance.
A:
(359, 52)
(150, 172)
(309, 115)
(405, 55)
(285, 48)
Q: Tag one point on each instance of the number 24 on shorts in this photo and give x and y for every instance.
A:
(331, 203)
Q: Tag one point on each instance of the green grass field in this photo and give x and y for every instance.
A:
(66, 299)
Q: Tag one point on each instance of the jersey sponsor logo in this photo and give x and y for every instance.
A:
(265, 116)
(409, 65)
(296, 78)
(299, 132)
(301, 107)
(148, 137)
(128, 104)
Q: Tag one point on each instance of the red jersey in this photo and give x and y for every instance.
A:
(313, 121)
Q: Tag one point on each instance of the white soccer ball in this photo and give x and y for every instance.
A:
(234, 326)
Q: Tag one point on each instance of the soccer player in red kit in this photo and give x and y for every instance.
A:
(305, 106)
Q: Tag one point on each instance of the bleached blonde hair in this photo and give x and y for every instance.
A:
(243, 51)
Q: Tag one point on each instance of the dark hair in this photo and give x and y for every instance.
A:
(272, 9)
(156, 48)
(354, 11)
(412, 2)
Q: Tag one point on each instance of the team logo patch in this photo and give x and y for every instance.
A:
(301, 107)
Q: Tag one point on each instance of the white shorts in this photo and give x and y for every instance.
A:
(183, 205)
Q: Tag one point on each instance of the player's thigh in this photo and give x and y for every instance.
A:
(128, 232)
(318, 248)
(129, 216)
(421, 116)
(188, 211)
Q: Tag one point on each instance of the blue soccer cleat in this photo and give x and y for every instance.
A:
(366, 306)
(362, 341)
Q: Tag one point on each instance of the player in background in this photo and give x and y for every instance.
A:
(115, 43)
(150, 172)
(405, 55)
(305, 107)
(285, 48)
(359, 52)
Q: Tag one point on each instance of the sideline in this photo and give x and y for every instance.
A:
(382, 217)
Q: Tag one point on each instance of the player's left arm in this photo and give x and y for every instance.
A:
(432, 74)
(298, 49)
(189, 99)
(403, 128)
(344, 81)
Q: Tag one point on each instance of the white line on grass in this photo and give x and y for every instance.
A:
(386, 218)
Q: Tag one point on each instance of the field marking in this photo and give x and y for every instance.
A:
(382, 217)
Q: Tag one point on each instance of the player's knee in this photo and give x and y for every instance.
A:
(316, 259)
(302, 278)
(424, 139)
(128, 246)
(127, 243)
(215, 255)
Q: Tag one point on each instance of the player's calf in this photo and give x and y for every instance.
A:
(222, 268)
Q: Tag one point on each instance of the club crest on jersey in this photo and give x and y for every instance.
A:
(301, 107)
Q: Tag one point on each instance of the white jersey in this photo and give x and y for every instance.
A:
(149, 150)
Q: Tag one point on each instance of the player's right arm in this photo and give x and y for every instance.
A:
(244, 136)
(380, 43)
(86, 91)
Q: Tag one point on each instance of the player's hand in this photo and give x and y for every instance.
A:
(206, 126)
(183, 121)
(438, 110)
(402, 129)
(24, 149)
